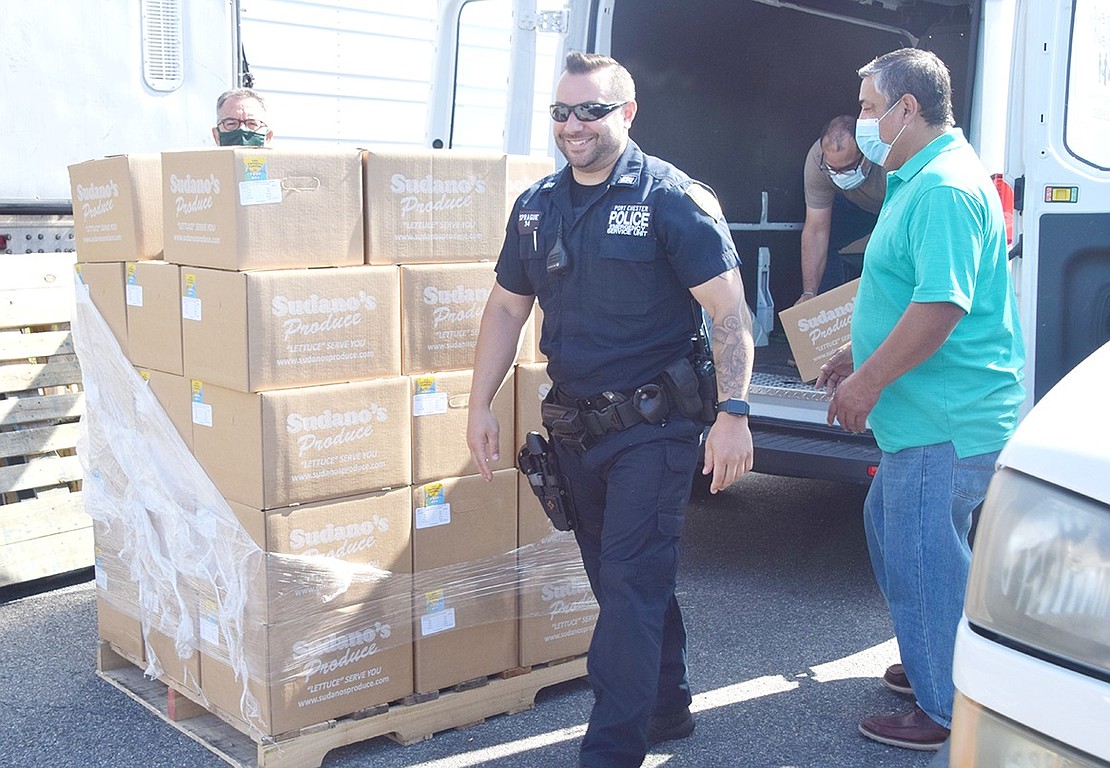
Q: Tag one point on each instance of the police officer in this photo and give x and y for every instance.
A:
(613, 246)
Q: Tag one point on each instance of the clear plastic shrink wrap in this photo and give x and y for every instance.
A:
(297, 639)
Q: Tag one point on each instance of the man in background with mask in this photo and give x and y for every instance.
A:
(241, 119)
(844, 191)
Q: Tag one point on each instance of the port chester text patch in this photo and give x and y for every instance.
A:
(632, 220)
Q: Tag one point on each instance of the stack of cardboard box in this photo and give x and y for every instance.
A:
(308, 322)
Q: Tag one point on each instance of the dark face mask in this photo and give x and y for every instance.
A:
(241, 137)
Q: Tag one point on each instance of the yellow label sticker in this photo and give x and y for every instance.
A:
(1061, 194)
(254, 169)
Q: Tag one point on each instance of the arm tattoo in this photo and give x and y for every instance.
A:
(733, 351)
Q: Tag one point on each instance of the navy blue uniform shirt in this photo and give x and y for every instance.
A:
(622, 311)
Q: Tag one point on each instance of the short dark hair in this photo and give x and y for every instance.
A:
(838, 130)
(621, 85)
(916, 72)
(239, 93)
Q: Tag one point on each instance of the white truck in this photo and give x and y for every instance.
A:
(732, 91)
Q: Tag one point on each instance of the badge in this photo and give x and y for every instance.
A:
(704, 198)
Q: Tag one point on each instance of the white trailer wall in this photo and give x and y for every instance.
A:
(74, 85)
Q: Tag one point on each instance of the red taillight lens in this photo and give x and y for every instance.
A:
(1006, 193)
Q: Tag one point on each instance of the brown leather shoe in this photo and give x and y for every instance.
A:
(911, 730)
(895, 679)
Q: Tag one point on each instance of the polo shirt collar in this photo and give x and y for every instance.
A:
(946, 142)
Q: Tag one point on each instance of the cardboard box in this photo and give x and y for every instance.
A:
(180, 673)
(819, 327)
(318, 667)
(537, 323)
(294, 446)
(117, 208)
(255, 331)
(441, 310)
(104, 284)
(338, 550)
(532, 386)
(241, 208)
(442, 205)
(440, 408)
(151, 291)
(120, 628)
(526, 353)
(174, 393)
(558, 610)
(117, 596)
(465, 582)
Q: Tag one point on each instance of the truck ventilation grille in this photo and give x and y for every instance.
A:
(163, 56)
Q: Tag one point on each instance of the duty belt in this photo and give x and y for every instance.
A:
(581, 422)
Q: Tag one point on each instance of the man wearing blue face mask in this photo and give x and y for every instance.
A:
(844, 192)
(241, 119)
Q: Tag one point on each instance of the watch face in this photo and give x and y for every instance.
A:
(735, 407)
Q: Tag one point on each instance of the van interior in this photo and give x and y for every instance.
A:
(736, 94)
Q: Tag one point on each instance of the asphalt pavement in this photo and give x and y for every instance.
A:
(788, 639)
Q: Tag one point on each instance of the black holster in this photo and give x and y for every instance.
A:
(538, 463)
(692, 383)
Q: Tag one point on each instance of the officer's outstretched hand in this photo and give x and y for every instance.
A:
(728, 451)
(482, 437)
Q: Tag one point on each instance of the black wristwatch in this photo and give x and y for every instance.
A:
(733, 405)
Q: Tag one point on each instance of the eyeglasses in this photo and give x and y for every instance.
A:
(834, 171)
(229, 124)
(586, 112)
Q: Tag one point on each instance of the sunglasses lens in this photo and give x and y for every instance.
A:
(589, 112)
(586, 112)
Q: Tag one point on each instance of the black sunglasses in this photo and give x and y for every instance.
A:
(586, 112)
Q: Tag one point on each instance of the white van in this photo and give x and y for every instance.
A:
(735, 91)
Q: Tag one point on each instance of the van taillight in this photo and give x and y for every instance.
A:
(1006, 193)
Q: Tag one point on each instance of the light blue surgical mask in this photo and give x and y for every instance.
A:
(848, 179)
(867, 138)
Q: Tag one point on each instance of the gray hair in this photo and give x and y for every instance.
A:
(240, 93)
(916, 72)
(621, 85)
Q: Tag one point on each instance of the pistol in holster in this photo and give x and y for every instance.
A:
(537, 461)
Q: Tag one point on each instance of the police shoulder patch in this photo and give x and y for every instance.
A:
(704, 198)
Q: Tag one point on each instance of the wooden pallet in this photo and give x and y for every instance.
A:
(404, 723)
(44, 530)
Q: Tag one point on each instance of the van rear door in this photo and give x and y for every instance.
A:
(1059, 158)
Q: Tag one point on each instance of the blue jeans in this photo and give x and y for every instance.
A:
(630, 493)
(917, 517)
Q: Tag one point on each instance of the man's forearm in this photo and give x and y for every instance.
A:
(920, 332)
(733, 352)
(815, 246)
(498, 340)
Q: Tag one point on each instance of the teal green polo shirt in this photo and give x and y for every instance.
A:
(941, 237)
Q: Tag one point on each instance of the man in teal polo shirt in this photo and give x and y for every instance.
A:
(935, 364)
